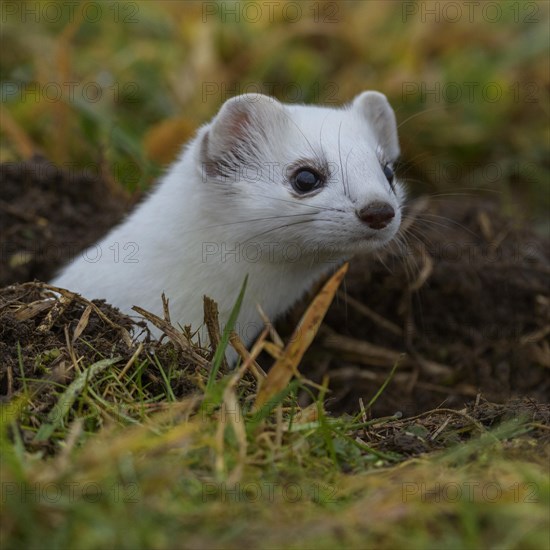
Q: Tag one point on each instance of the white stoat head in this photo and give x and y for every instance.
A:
(317, 178)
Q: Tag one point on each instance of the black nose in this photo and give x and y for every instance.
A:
(377, 214)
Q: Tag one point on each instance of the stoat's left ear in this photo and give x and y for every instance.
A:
(375, 107)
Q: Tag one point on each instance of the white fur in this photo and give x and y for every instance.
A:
(187, 227)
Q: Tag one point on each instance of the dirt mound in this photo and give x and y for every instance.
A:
(47, 215)
(467, 300)
(54, 344)
(34, 325)
(463, 308)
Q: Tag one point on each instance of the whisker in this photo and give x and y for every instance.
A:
(327, 208)
(245, 221)
(446, 219)
(321, 132)
(460, 192)
(314, 152)
(419, 114)
(309, 220)
(419, 236)
(409, 263)
(410, 162)
(409, 180)
(347, 158)
(380, 259)
(346, 192)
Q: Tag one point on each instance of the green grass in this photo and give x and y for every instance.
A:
(116, 462)
(218, 478)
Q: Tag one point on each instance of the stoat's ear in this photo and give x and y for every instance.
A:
(243, 124)
(376, 109)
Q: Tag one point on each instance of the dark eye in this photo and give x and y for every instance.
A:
(388, 172)
(306, 180)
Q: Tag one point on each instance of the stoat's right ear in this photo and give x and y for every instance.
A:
(375, 107)
(243, 124)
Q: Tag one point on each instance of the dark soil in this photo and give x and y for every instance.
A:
(469, 309)
(45, 336)
(48, 215)
(442, 428)
(29, 334)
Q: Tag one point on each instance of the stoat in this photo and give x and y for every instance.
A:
(281, 193)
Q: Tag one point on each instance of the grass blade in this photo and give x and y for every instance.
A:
(220, 350)
(69, 396)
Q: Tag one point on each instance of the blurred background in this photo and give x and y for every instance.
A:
(117, 87)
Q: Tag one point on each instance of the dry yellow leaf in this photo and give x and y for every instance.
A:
(284, 368)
